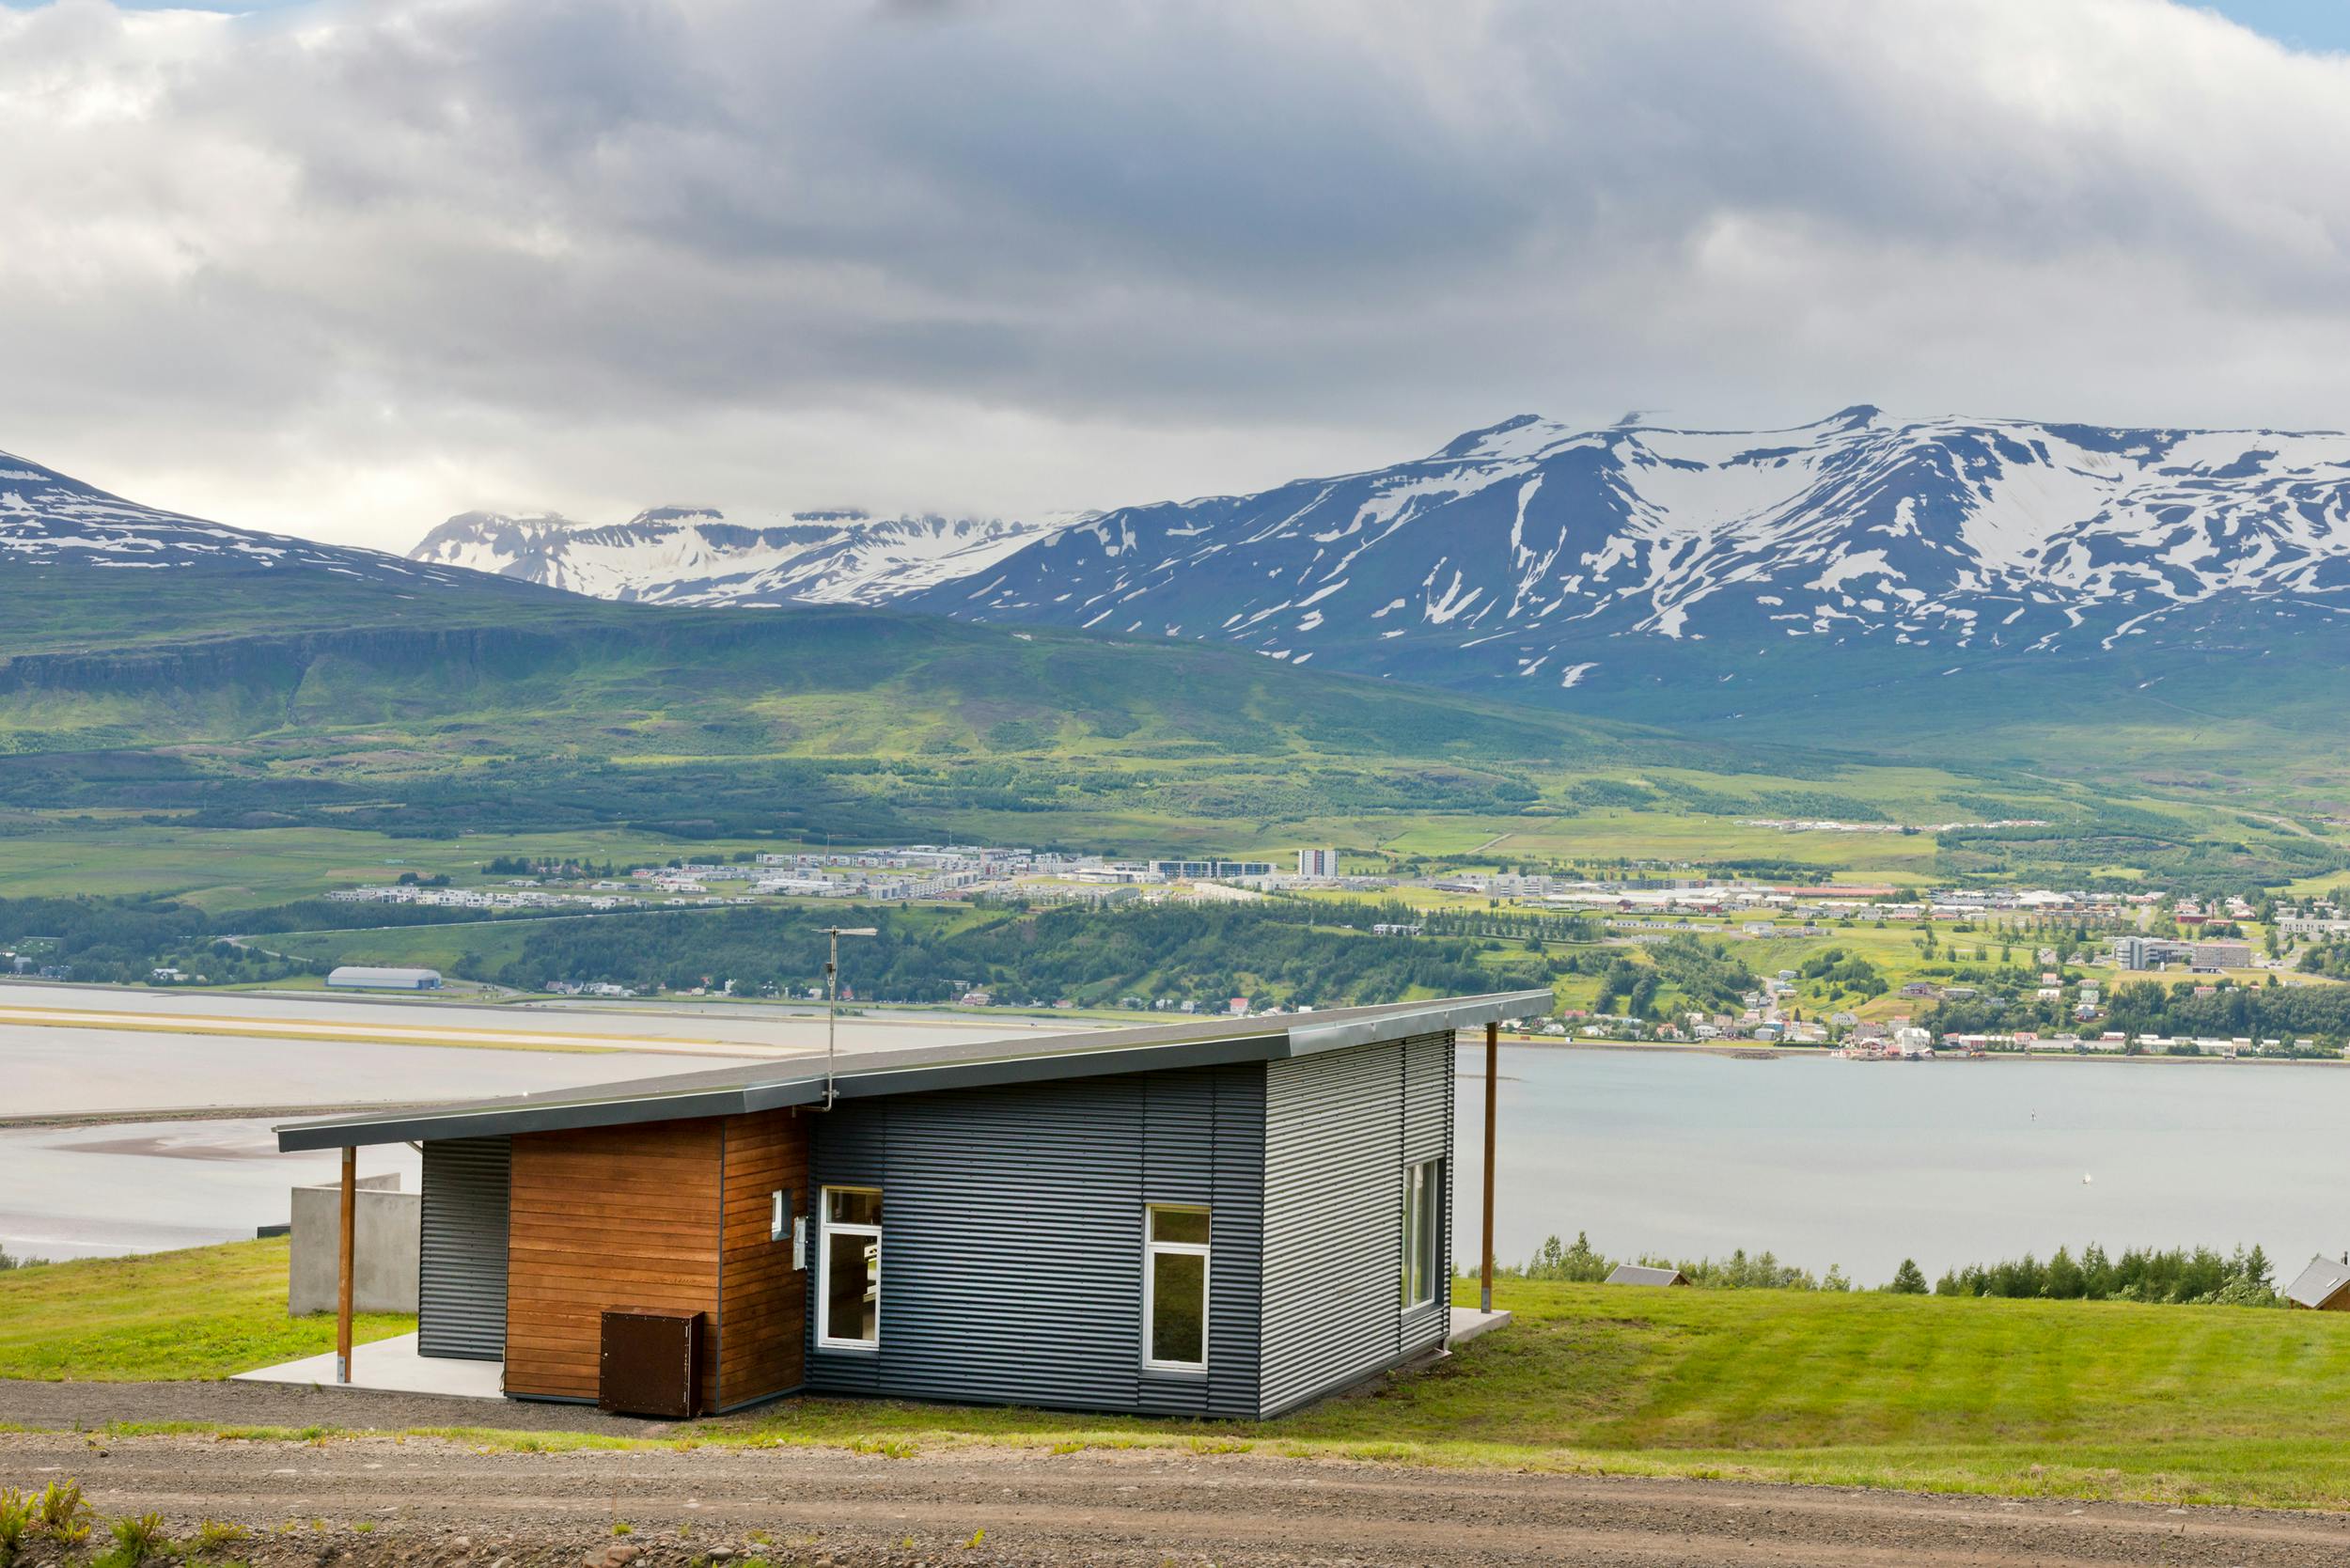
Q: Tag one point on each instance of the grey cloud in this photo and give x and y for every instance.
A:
(595, 253)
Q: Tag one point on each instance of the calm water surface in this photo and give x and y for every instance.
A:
(1863, 1164)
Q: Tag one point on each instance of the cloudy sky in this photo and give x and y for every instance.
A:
(343, 269)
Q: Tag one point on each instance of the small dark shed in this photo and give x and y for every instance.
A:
(1226, 1217)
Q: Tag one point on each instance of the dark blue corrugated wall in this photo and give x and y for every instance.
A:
(1341, 1128)
(1012, 1240)
(461, 1299)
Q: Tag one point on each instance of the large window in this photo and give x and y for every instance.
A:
(1423, 1221)
(1175, 1288)
(849, 1262)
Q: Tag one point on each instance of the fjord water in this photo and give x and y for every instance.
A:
(1863, 1164)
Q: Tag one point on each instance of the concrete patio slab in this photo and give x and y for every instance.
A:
(1469, 1323)
(392, 1366)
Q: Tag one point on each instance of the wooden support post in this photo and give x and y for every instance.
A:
(344, 1266)
(1492, 1098)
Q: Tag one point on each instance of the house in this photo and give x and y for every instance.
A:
(1210, 1217)
(2323, 1287)
(1641, 1273)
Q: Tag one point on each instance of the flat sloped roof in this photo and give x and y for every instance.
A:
(756, 1086)
(1642, 1274)
(2319, 1283)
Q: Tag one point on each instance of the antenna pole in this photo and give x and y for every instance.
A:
(832, 1002)
(831, 1014)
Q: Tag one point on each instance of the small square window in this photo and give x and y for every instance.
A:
(1189, 1226)
(853, 1206)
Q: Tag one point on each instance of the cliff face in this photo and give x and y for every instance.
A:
(279, 660)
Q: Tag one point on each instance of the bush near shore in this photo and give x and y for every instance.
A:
(2178, 1276)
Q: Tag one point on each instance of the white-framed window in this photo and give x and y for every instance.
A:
(1175, 1287)
(848, 1258)
(1423, 1224)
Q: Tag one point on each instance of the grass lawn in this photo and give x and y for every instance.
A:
(204, 1313)
(2091, 1400)
(2072, 1399)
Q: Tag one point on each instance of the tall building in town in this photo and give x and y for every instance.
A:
(1318, 862)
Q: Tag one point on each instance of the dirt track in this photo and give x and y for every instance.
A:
(431, 1500)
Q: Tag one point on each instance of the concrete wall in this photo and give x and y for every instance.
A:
(387, 1230)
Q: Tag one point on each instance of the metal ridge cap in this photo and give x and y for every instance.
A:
(1307, 1037)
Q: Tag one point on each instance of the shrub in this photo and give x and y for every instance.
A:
(213, 1535)
(136, 1540)
(62, 1514)
(16, 1522)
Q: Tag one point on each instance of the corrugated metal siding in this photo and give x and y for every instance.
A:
(1011, 1237)
(1428, 1100)
(461, 1299)
(1340, 1128)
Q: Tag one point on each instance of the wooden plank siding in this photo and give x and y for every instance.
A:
(762, 1299)
(608, 1219)
(666, 1216)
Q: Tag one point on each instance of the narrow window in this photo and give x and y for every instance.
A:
(1175, 1288)
(1423, 1221)
(850, 1260)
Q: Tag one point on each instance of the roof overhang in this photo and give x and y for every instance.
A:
(777, 1085)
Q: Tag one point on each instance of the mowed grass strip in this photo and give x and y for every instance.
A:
(2181, 1404)
(2075, 1398)
(204, 1313)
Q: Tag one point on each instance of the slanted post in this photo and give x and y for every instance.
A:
(343, 1265)
(1492, 1096)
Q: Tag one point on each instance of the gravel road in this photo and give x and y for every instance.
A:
(383, 1499)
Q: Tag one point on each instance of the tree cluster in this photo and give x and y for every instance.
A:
(2200, 1276)
(1205, 954)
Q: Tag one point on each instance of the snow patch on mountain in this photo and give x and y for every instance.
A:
(48, 519)
(1532, 543)
(696, 555)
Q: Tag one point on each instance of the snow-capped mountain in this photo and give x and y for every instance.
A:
(49, 519)
(694, 556)
(1533, 555)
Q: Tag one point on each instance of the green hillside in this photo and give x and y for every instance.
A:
(268, 707)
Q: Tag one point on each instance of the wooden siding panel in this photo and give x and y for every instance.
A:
(762, 1298)
(608, 1219)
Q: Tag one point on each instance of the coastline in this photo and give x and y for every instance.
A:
(1754, 1050)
